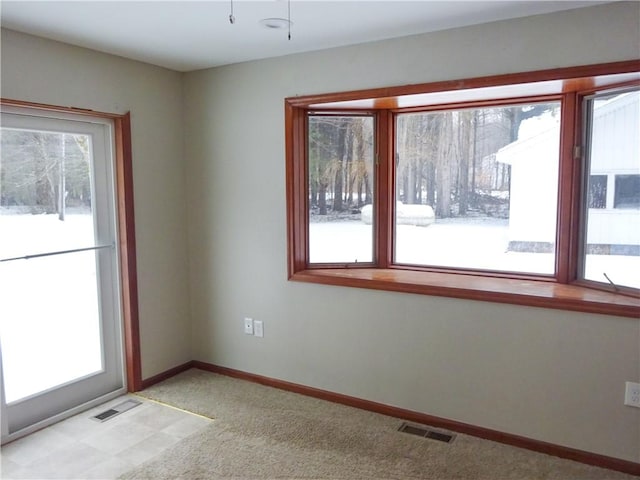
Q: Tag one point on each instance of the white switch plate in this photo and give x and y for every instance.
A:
(258, 329)
(248, 326)
(632, 394)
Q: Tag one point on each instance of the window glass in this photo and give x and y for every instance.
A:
(478, 188)
(627, 193)
(597, 191)
(341, 178)
(471, 186)
(612, 240)
(45, 185)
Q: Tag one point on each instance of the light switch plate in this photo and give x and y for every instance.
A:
(258, 328)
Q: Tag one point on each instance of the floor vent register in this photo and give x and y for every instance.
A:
(421, 431)
(116, 410)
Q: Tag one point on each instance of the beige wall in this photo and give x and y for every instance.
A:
(38, 70)
(546, 374)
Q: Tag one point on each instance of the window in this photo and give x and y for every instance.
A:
(611, 246)
(477, 188)
(597, 191)
(627, 193)
(472, 188)
(340, 173)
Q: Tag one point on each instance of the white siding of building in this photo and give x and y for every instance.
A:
(534, 171)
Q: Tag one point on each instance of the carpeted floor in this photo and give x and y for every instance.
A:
(264, 433)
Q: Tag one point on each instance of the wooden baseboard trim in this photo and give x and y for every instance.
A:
(167, 374)
(581, 456)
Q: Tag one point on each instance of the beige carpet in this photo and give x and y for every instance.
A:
(264, 433)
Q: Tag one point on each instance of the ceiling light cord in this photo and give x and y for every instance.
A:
(289, 18)
(232, 19)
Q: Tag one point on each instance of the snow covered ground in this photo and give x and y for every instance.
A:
(480, 243)
(49, 328)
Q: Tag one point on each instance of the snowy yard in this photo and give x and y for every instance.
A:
(49, 329)
(480, 244)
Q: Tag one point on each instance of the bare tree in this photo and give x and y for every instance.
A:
(465, 150)
(44, 171)
(446, 155)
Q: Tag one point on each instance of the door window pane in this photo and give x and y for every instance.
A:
(478, 188)
(612, 239)
(341, 178)
(45, 192)
(49, 320)
(49, 312)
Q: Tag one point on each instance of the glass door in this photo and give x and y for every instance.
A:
(60, 321)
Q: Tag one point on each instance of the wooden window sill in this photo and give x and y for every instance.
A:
(502, 290)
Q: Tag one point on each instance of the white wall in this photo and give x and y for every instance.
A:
(38, 70)
(546, 374)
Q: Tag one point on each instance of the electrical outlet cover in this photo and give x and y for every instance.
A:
(248, 326)
(632, 394)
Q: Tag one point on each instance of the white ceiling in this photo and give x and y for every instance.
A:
(191, 35)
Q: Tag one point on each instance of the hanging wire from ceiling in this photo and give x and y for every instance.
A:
(268, 22)
(289, 19)
(232, 19)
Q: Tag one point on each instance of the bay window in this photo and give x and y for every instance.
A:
(519, 188)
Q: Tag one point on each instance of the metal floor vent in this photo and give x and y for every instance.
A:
(116, 410)
(421, 431)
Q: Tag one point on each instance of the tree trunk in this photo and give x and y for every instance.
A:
(340, 158)
(46, 197)
(464, 136)
(431, 183)
(368, 194)
(322, 199)
(473, 158)
(443, 170)
(61, 180)
(349, 170)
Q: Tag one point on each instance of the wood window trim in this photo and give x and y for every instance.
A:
(561, 293)
(499, 290)
(126, 230)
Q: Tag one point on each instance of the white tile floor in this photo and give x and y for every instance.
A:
(81, 448)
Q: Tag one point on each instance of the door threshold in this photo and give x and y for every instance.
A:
(63, 415)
